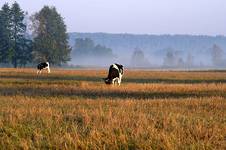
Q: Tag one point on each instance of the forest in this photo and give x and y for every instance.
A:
(45, 40)
(177, 51)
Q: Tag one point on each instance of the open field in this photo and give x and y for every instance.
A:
(74, 109)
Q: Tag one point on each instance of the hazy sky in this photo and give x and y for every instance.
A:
(138, 16)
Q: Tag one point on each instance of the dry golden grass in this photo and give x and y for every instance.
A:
(74, 109)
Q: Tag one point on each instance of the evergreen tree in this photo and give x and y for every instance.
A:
(51, 39)
(5, 33)
(83, 47)
(102, 51)
(21, 47)
(86, 47)
(25, 55)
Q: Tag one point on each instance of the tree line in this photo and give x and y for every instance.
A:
(85, 47)
(48, 41)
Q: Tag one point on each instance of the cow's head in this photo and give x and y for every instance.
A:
(107, 81)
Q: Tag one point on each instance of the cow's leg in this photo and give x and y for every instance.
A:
(120, 78)
(116, 81)
(48, 69)
(113, 81)
(39, 71)
(119, 82)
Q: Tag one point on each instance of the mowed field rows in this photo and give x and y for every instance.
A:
(74, 109)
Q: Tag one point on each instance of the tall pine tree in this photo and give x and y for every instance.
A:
(51, 39)
(5, 33)
(15, 48)
(21, 47)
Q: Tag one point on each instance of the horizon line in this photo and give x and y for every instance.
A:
(149, 34)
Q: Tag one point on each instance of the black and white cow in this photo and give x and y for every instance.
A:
(42, 66)
(115, 74)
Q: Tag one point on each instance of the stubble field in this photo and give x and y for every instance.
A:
(74, 109)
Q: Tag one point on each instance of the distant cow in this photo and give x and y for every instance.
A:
(42, 66)
(115, 74)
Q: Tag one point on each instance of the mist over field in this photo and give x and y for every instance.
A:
(154, 51)
(147, 34)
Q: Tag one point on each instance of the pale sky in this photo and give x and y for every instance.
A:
(197, 17)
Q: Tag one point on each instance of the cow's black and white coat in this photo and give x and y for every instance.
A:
(43, 66)
(115, 74)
